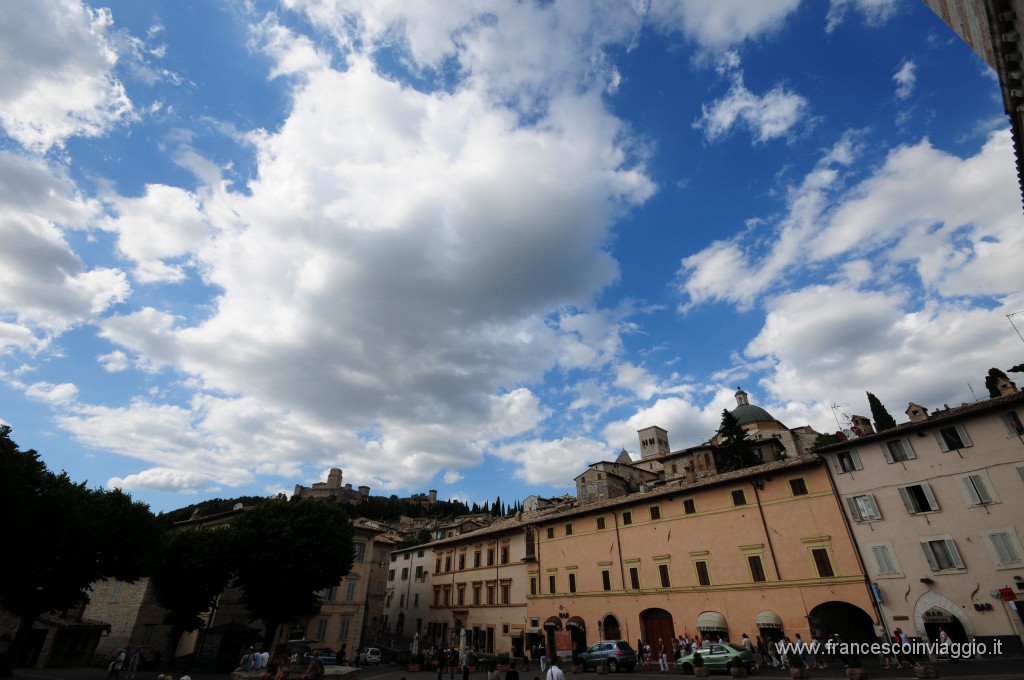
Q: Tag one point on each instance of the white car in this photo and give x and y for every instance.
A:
(369, 656)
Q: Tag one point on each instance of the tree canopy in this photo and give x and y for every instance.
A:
(67, 537)
(285, 551)
(733, 451)
(879, 414)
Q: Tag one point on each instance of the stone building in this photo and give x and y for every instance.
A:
(332, 488)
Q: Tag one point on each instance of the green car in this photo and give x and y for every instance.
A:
(718, 657)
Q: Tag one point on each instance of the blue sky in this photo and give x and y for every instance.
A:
(474, 246)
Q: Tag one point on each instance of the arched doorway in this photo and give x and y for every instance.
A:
(578, 634)
(769, 626)
(656, 625)
(611, 629)
(933, 610)
(850, 622)
(712, 626)
(550, 626)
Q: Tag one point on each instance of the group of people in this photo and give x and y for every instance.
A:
(668, 652)
(129, 661)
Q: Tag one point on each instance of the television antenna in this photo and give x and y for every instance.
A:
(1009, 317)
(835, 414)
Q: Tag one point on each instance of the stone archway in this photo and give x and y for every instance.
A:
(610, 629)
(932, 601)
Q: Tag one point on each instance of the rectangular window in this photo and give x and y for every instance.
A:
(703, 575)
(942, 554)
(606, 579)
(490, 557)
(952, 438)
(551, 532)
(977, 489)
(346, 624)
(359, 550)
(401, 604)
(460, 594)
(568, 529)
(689, 506)
(476, 558)
(490, 594)
(663, 573)
(919, 498)
(655, 512)
(798, 486)
(476, 593)
(600, 522)
(551, 583)
(419, 571)
(115, 595)
(1004, 547)
(462, 561)
(822, 562)
(898, 450)
(634, 578)
(415, 599)
(394, 558)
(739, 497)
(437, 566)
(321, 628)
(847, 461)
(883, 559)
(533, 585)
(572, 583)
(504, 554)
(405, 573)
(350, 591)
(756, 568)
(448, 563)
(627, 518)
(1013, 424)
(391, 574)
(863, 508)
(506, 593)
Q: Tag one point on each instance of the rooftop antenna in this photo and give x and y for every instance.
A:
(972, 392)
(836, 416)
(1009, 317)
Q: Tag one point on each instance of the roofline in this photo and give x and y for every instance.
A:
(956, 413)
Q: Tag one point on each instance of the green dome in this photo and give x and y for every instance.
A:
(748, 413)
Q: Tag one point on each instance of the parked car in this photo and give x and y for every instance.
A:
(616, 654)
(369, 656)
(328, 656)
(718, 657)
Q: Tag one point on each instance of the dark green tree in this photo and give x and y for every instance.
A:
(190, 569)
(314, 551)
(992, 381)
(883, 421)
(65, 536)
(825, 440)
(732, 452)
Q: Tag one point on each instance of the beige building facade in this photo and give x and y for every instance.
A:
(937, 508)
(763, 551)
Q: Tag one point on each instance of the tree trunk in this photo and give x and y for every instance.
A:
(172, 648)
(14, 651)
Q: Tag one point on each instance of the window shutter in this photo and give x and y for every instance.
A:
(933, 504)
(907, 448)
(907, 501)
(955, 554)
(875, 513)
(854, 508)
(885, 565)
(885, 452)
(963, 436)
(929, 555)
(855, 459)
(941, 440)
(972, 492)
(1005, 551)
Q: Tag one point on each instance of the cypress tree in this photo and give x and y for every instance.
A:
(883, 421)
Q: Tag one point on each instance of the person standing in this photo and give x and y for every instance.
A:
(662, 656)
(114, 669)
(554, 673)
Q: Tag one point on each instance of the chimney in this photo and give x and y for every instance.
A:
(861, 426)
(916, 413)
(1006, 387)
